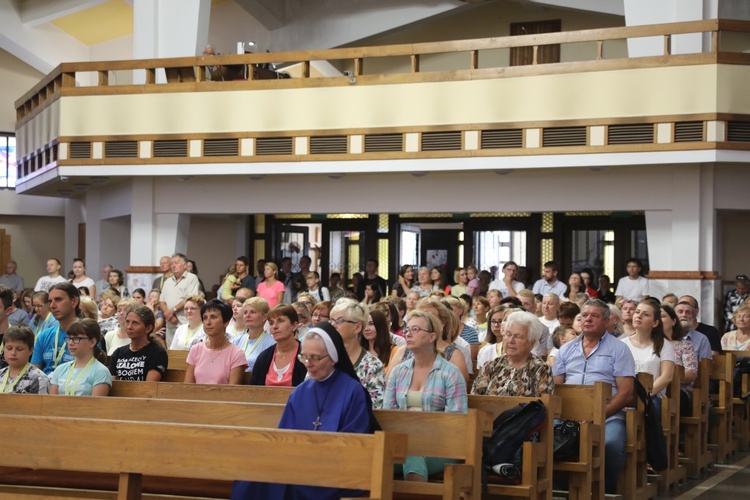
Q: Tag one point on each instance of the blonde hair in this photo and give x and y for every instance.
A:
(258, 303)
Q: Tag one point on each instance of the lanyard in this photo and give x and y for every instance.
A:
(17, 379)
(57, 356)
(189, 334)
(71, 392)
(257, 342)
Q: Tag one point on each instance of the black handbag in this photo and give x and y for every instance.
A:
(567, 440)
(656, 444)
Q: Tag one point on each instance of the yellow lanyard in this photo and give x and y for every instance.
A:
(247, 341)
(13, 384)
(57, 356)
(189, 334)
(71, 392)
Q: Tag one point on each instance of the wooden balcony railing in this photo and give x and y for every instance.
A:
(188, 74)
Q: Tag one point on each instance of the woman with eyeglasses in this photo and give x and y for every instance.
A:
(321, 313)
(330, 400)
(518, 372)
(191, 333)
(43, 318)
(349, 319)
(425, 382)
(144, 358)
(278, 365)
(85, 375)
(494, 347)
(255, 339)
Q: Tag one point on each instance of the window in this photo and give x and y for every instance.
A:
(7, 160)
(495, 248)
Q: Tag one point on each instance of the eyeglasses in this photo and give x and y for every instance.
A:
(320, 316)
(39, 306)
(75, 340)
(496, 322)
(415, 330)
(310, 359)
(341, 321)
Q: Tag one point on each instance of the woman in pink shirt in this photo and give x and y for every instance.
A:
(271, 289)
(217, 360)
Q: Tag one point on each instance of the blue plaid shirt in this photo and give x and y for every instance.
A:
(445, 389)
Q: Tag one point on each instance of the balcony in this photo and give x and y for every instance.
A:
(358, 109)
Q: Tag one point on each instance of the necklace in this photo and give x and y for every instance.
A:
(15, 381)
(317, 423)
(218, 351)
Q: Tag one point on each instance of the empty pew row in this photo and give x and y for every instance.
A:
(741, 409)
(128, 450)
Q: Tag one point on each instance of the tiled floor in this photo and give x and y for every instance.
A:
(722, 482)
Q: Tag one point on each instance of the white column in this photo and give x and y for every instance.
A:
(142, 229)
(642, 12)
(685, 238)
(74, 215)
(168, 28)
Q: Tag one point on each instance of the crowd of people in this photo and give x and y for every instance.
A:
(423, 345)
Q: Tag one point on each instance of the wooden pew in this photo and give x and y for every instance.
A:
(741, 418)
(586, 404)
(537, 457)
(201, 392)
(364, 461)
(720, 428)
(697, 455)
(670, 422)
(177, 359)
(634, 482)
(460, 436)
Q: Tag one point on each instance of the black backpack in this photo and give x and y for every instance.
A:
(502, 452)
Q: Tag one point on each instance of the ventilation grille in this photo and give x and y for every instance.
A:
(54, 152)
(382, 143)
(80, 150)
(738, 131)
(221, 147)
(637, 133)
(273, 146)
(121, 149)
(47, 156)
(441, 141)
(170, 149)
(564, 136)
(328, 144)
(688, 132)
(498, 139)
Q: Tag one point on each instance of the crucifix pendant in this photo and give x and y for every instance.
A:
(317, 423)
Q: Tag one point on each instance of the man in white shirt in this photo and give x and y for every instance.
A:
(549, 283)
(44, 283)
(508, 285)
(175, 292)
(633, 286)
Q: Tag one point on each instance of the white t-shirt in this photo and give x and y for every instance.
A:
(500, 285)
(648, 362)
(487, 354)
(87, 283)
(463, 346)
(632, 289)
(44, 283)
(114, 342)
(550, 324)
(184, 338)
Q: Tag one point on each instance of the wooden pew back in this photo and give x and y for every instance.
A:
(364, 461)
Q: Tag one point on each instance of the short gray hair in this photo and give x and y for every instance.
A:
(601, 305)
(527, 321)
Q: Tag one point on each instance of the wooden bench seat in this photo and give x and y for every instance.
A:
(740, 417)
(720, 426)
(587, 405)
(670, 422)
(441, 435)
(133, 449)
(697, 456)
(634, 482)
(536, 481)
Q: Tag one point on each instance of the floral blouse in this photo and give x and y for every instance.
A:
(684, 355)
(371, 373)
(729, 342)
(499, 378)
